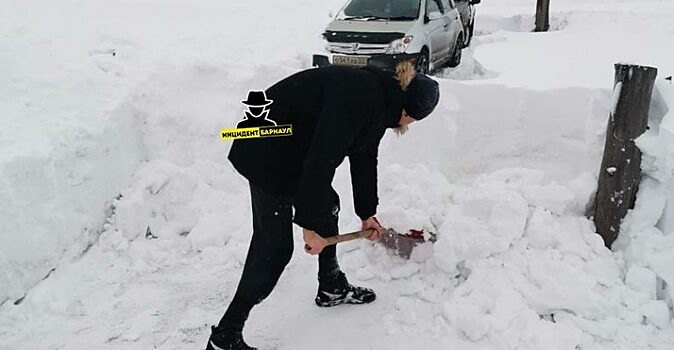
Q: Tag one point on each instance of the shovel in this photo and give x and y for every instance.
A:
(400, 243)
(345, 237)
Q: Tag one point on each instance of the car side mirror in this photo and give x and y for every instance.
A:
(475, 2)
(331, 14)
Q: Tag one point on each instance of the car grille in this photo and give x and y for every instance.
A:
(357, 48)
(361, 37)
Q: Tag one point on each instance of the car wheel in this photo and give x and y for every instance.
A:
(455, 60)
(422, 62)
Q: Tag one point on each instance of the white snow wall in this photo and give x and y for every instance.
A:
(564, 142)
(55, 197)
(59, 199)
(53, 204)
(658, 147)
(70, 129)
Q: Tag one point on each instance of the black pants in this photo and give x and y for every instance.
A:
(270, 250)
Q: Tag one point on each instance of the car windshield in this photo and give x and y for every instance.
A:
(381, 10)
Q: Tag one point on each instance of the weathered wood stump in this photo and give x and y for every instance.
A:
(542, 16)
(620, 171)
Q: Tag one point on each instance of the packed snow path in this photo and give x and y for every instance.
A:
(502, 171)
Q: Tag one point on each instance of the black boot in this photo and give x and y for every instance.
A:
(335, 290)
(225, 339)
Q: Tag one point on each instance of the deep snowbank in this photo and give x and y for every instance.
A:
(502, 172)
(564, 142)
(70, 133)
(55, 203)
(516, 264)
(647, 234)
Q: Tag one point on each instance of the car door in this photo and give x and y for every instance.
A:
(454, 21)
(438, 29)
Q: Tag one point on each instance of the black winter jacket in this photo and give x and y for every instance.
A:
(334, 112)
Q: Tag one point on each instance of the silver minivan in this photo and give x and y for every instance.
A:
(381, 32)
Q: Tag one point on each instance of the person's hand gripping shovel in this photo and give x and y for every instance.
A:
(314, 243)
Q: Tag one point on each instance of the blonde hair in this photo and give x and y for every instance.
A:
(405, 72)
(400, 130)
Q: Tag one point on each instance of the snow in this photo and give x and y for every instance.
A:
(117, 179)
(75, 123)
(616, 95)
(55, 203)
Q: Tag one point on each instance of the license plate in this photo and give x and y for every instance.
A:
(350, 60)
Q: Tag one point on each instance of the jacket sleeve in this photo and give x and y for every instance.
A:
(335, 131)
(363, 166)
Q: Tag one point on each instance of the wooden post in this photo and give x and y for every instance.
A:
(620, 171)
(542, 16)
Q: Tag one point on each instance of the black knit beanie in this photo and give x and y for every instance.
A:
(423, 95)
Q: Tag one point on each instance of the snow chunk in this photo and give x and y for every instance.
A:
(404, 271)
(641, 279)
(657, 313)
(490, 218)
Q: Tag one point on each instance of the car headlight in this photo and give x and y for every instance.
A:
(399, 45)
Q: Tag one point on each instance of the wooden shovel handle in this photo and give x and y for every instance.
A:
(347, 237)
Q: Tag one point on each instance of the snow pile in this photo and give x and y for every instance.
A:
(73, 99)
(510, 270)
(502, 172)
(647, 233)
(54, 203)
(582, 53)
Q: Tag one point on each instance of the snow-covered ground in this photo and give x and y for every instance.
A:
(108, 97)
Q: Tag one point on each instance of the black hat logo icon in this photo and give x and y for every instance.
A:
(256, 115)
(257, 99)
